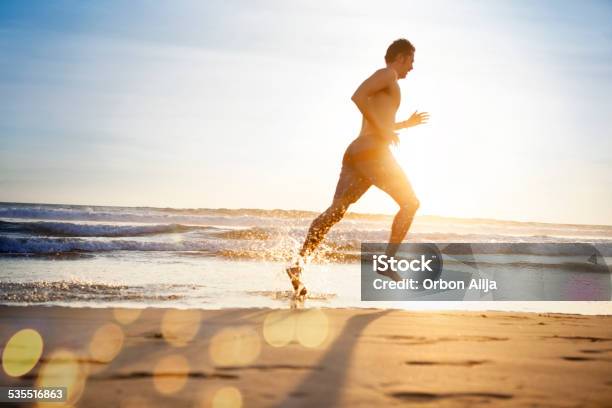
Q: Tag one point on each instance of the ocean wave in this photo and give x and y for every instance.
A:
(345, 237)
(586, 249)
(10, 245)
(255, 233)
(66, 229)
(130, 215)
(179, 215)
(325, 256)
(564, 266)
(358, 236)
(283, 247)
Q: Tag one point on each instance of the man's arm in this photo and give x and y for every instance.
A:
(399, 125)
(417, 118)
(379, 80)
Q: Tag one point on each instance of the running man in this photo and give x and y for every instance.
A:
(368, 160)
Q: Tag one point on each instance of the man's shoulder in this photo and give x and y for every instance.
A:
(386, 73)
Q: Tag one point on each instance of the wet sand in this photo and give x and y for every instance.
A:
(311, 357)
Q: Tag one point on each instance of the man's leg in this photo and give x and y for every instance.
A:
(386, 174)
(321, 226)
(348, 190)
(399, 188)
(401, 224)
(350, 187)
(401, 191)
(399, 228)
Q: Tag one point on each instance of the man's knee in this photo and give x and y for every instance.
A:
(410, 204)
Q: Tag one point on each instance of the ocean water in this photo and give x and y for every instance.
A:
(218, 258)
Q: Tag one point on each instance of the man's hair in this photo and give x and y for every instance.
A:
(398, 47)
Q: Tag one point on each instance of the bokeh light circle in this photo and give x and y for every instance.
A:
(63, 370)
(170, 374)
(279, 327)
(106, 343)
(179, 327)
(312, 328)
(235, 346)
(227, 397)
(22, 352)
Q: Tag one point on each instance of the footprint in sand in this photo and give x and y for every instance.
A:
(426, 397)
(148, 374)
(579, 338)
(596, 351)
(466, 363)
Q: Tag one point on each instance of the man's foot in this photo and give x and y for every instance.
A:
(300, 293)
(295, 273)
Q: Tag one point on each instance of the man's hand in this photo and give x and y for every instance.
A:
(417, 118)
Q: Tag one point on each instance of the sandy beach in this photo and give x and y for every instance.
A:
(316, 357)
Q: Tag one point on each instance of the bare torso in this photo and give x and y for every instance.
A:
(384, 105)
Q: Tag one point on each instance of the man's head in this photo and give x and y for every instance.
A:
(400, 56)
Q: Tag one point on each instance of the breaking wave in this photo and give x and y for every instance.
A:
(67, 229)
(10, 245)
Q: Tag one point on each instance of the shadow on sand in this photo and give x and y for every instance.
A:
(323, 388)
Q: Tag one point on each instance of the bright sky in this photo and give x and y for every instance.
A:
(247, 103)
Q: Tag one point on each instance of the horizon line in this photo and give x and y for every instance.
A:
(314, 212)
